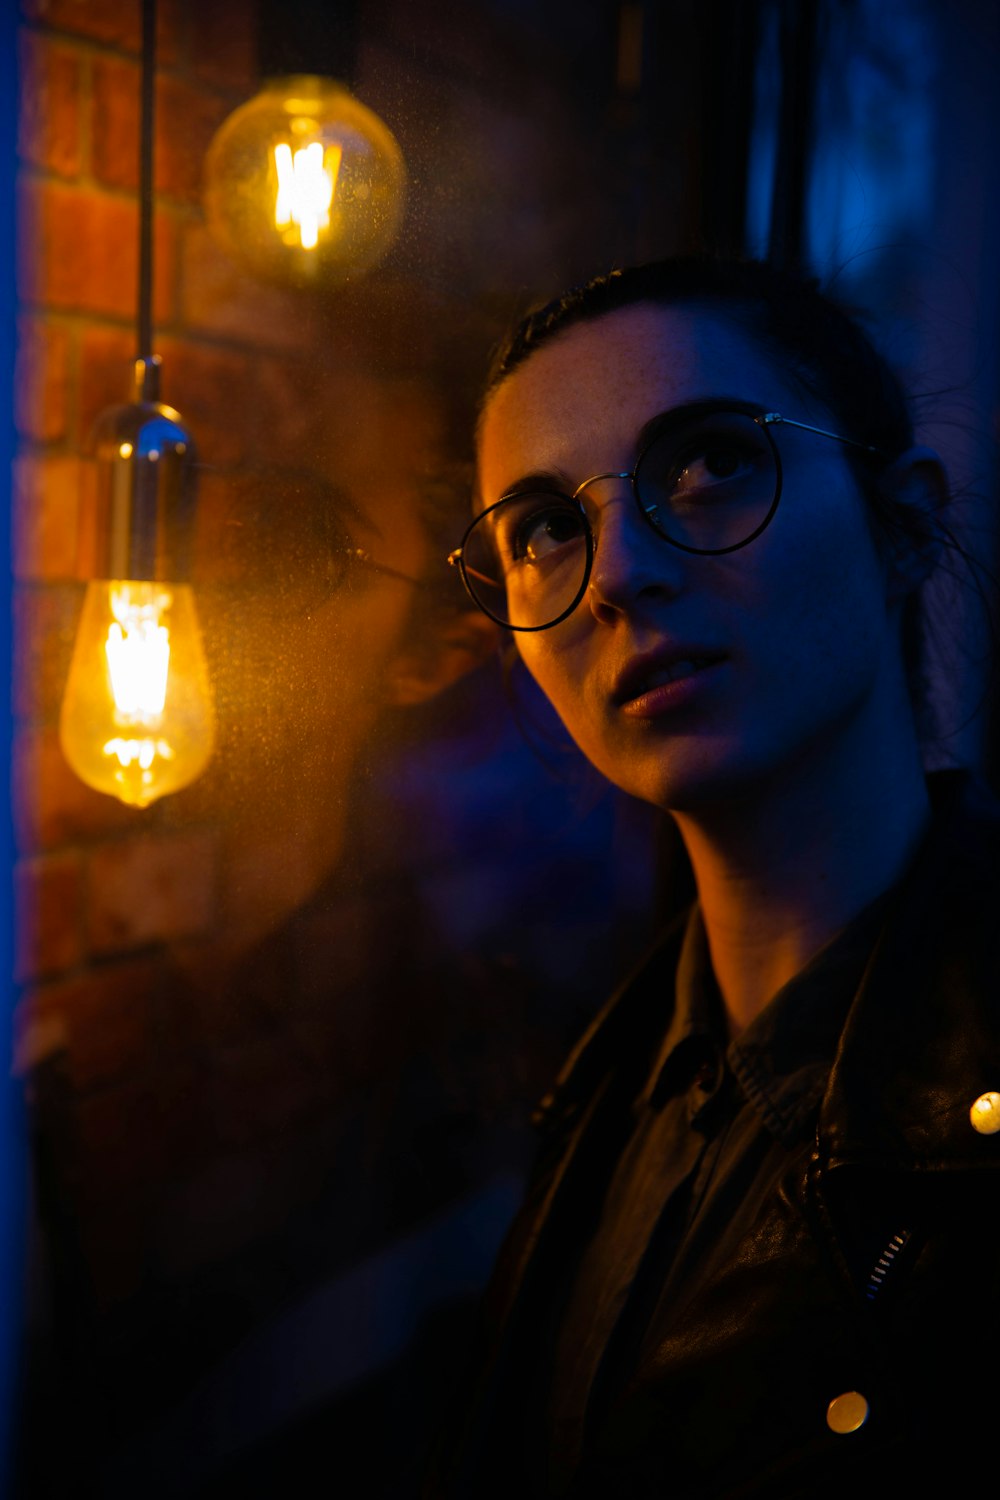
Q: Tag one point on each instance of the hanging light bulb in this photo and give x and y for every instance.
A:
(304, 185)
(137, 718)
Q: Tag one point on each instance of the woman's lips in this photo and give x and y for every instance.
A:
(670, 687)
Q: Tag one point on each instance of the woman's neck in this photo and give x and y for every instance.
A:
(780, 874)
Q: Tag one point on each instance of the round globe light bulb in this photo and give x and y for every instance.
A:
(304, 185)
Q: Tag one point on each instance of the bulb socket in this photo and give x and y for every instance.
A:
(138, 521)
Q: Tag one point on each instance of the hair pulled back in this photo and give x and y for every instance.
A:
(819, 342)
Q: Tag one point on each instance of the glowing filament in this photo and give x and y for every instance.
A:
(307, 179)
(141, 753)
(138, 655)
(137, 719)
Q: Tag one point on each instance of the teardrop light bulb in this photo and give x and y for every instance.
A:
(137, 716)
(137, 719)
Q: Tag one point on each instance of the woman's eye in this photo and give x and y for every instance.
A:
(550, 532)
(536, 533)
(334, 558)
(711, 470)
(712, 466)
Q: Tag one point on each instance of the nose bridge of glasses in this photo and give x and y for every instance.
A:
(626, 553)
(594, 479)
(599, 507)
(619, 501)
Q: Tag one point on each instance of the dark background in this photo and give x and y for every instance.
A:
(278, 1038)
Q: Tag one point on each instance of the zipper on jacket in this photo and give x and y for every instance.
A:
(884, 1264)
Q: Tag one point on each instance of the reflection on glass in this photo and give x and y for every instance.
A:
(303, 184)
(307, 181)
(137, 719)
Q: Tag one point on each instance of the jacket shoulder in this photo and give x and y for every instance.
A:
(922, 1039)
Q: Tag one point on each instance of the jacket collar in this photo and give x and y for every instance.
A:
(922, 1039)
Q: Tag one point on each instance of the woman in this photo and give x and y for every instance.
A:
(761, 1252)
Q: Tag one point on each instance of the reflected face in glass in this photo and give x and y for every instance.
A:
(305, 631)
(686, 677)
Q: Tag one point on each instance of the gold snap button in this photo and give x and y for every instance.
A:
(985, 1114)
(847, 1413)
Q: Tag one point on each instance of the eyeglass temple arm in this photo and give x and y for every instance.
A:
(454, 560)
(771, 417)
(359, 555)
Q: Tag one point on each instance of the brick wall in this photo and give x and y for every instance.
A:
(99, 887)
(187, 1101)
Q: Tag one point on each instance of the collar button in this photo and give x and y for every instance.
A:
(847, 1413)
(985, 1114)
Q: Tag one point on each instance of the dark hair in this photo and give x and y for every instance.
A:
(821, 344)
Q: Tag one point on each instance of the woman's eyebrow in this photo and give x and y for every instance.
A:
(703, 406)
(558, 479)
(541, 479)
(338, 500)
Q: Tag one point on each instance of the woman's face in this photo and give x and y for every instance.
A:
(303, 675)
(686, 677)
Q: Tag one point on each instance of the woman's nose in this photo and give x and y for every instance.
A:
(632, 564)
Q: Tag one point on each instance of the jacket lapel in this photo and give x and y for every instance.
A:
(922, 1041)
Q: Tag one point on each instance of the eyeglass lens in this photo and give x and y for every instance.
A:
(707, 484)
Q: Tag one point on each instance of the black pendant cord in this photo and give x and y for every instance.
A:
(145, 311)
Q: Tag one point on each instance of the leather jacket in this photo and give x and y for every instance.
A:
(867, 1287)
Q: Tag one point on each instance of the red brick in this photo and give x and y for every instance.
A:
(217, 297)
(47, 916)
(117, 22)
(173, 22)
(78, 250)
(114, 21)
(195, 379)
(41, 380)
(44, 517)
(150, 889)
(224, 42)
(188, 119)
(106, 357)
(51, 805)
(44, 625)
(105, 1017)
(213, 390)
(114, 123)
(49, 132)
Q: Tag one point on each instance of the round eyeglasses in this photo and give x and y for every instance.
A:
(707, 480)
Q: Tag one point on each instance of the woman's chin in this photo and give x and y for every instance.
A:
(689, 779)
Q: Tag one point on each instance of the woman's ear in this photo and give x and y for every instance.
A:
(914, 493)
(454, 646)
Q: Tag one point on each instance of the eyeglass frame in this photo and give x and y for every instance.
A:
(764, 419)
